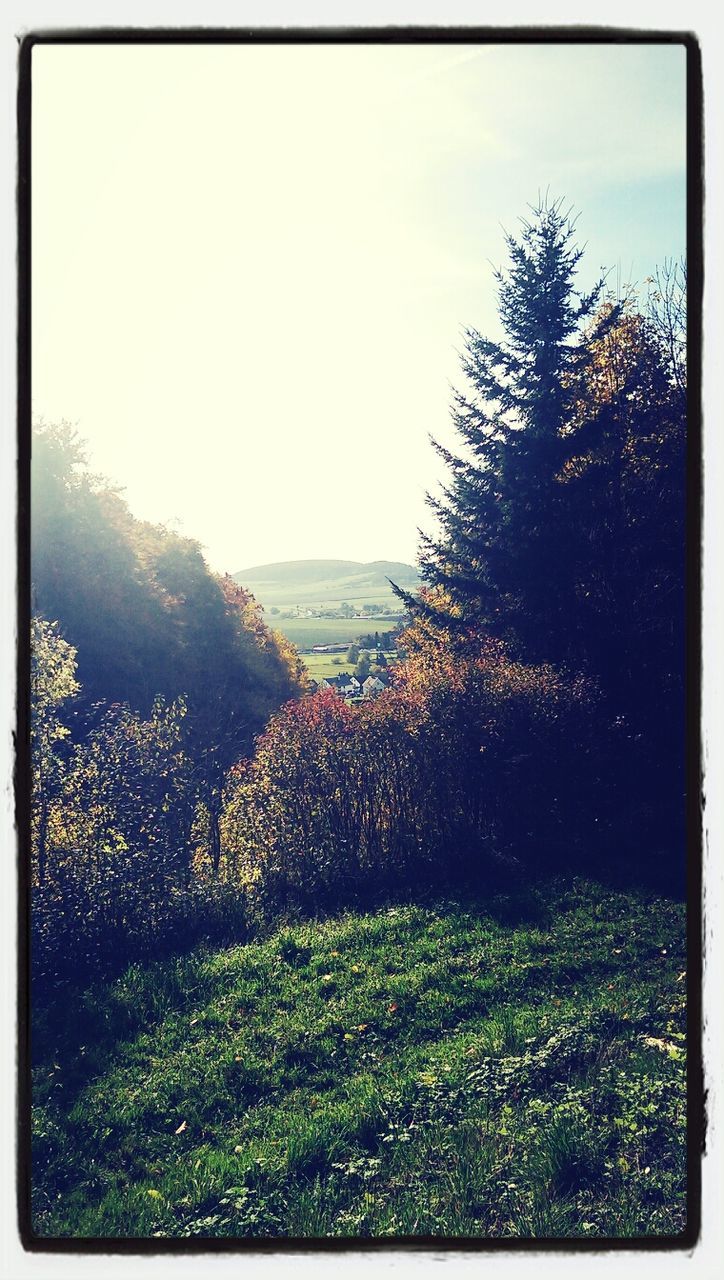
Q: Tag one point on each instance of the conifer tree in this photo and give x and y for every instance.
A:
(562, 522)
(499, 554)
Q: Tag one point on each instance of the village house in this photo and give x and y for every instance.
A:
(344, 684)
(372, 686)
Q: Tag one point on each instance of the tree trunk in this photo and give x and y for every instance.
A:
(215, 831)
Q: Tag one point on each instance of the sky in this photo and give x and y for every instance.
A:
(251, 265)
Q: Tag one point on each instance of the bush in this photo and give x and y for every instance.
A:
(461, 762)
(468, 764)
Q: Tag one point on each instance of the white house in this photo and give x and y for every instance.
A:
(345, 685)
(372, 686)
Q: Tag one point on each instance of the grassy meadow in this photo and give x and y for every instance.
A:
(305, 632)
(320, 665)
(327, 585)
(514, 1068)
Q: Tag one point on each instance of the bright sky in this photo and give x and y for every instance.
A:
(251, 264)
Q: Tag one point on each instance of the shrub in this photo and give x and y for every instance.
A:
(461, 761)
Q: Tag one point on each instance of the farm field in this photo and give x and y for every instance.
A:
(383, 601)
(320, 665)
(305, 632)
(511, 1068)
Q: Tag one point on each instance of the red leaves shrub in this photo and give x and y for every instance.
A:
(459, 761)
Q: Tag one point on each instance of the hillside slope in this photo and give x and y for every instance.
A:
(326, 582)
(515, 1069)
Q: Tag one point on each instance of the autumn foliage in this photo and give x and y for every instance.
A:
(185, 782)
(150, 677)
(346, 804)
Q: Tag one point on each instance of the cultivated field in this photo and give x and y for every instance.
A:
(305, 632)
(320, 665)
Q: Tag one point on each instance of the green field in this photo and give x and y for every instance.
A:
(381, 599)
(326, 585)
(320, 665)
(306, 632)
(514, 1068)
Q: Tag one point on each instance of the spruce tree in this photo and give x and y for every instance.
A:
(499, 555)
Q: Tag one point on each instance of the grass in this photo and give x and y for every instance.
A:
(450, 1069)
(327, 583)
(306, 632)
(382, 600)
(320, 665)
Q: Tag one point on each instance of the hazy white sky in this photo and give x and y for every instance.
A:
(251, 264)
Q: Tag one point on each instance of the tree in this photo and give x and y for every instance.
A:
(353, 653)
(146, 614)
(362, 669)
(625, 483)
(498, 557)
(666, 311)
(562, 522)
(52, 682)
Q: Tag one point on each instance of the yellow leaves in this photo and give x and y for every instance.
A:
(182, 1127)
(654, 1043)
(154, 1194)
(664, 1046)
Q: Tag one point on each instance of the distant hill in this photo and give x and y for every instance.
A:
(327, 582)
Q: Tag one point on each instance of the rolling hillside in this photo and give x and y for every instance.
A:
(326, 583)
